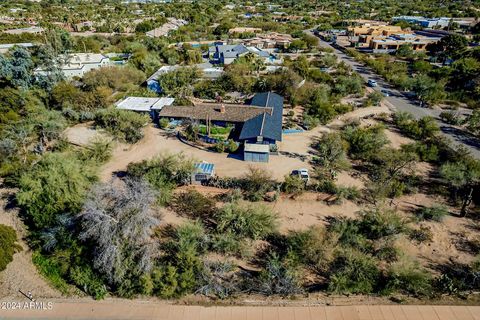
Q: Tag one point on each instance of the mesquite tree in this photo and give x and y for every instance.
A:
(118, 219)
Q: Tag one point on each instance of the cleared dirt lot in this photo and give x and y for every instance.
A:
(156, 142)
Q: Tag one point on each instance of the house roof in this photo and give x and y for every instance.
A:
(143, 103)
(268, 124)
(212, 111)
(234, 51)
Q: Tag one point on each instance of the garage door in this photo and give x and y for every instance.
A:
(255, 156)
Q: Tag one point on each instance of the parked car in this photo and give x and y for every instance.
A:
(386, 93)
(301, 173)
(372, 83)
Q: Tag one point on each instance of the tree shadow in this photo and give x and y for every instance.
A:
(462, 243)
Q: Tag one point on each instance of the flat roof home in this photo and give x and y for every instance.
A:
(33, 30)
(144, 104)
(7, 46)
(208, 72)
(258, 124)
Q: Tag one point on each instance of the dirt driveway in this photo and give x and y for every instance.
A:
(156, 142)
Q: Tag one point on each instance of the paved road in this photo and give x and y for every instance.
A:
(398, 101)
(135, 309)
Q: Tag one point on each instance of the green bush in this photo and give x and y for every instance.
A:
(55, 185)
(229, 244)
(194, 205)
(85, 278)
(293, 185)
(52, 270)
(251, 221)
(8, 245)
(353, 272)
(364, 143)
(435, 213)
(423, 234)
(163, 123)
(279, 277)
(122, 124)
(376, 224)
(408, 277)
(220, 146)
(314, 247)
(232, 146)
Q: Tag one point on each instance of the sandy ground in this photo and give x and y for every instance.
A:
(20, 274)
(82, 134)
(156, 142)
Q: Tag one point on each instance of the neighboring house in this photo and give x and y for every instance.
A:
(226, 54)
(166, 28)
(144, 104)
(77, 64)
(7, 46)
(208, 73)
(258, 125)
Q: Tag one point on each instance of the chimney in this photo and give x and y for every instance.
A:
(222, 108)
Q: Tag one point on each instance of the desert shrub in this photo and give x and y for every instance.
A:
(163, 173)
(310, 122)
(426, 151)
(232, 146)
(451, 117)
(422, 234)
(353, 272)
(217, 279)
(85, 278)
(163, 123)
(122, 124)
(373, 99)
(256, 183)
(98, 151)
(420, 129)
(229, 244)
(279, 277)
(349, 234)
(194, 205)
(376, 224)
(55, 185)
(314, 247)
(364, 143)
(117, 220)
(408, 277)
(191, 235)
(251, 221)
(52, 270)
(350, 193)
(219, 146)
(435, 213)
(293, 185)
(8, 245)
(387, 252)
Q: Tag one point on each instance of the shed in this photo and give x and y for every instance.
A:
(203, 171)
(256, 152)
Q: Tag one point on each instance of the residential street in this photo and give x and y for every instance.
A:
(399, 102)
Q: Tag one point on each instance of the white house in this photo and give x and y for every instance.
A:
(77, 64)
